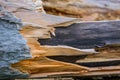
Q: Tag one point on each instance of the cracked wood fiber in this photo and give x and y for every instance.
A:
(39, 26)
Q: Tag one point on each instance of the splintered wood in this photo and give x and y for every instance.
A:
(45, 65)
(106, 56)
(43, 62)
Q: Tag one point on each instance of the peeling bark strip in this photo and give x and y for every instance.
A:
(86, 35)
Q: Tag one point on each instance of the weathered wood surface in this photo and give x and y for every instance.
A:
(86, 35)
(108, 48)
(86, 9)
(45, 65)
(38, 50)
(95, 72)
(90, 74)
(97, 62)
(109, 55)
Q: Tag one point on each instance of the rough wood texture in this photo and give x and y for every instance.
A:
(45, 65)
(46, 60)
(38, 50)
(86, 9)
(95, 60)
(109, 48)
(86, 35)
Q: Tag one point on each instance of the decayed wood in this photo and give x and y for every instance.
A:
(85, 9)
(45, 65)
(51, 75)
(86, 35)
(98, 71)
(28, 15)
(32, 34)
(37, 32)
(97, 62)
(89, 74)
(109, 55)
(38, 50)
(44, 19)
(109, 48)
(41, 26)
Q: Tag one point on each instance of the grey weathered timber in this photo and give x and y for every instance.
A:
(86, 34)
